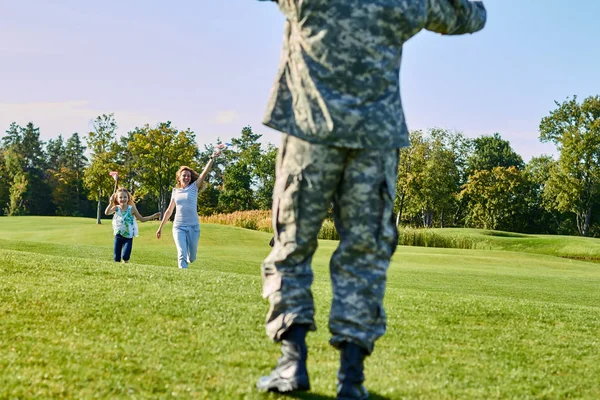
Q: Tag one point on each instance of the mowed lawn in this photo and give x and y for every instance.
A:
(462, 324)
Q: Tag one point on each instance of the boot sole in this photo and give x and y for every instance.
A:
(290, 385)
(353, 398)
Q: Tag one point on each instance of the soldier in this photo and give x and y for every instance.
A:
(336, 99)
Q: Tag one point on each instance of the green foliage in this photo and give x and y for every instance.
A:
(429, 177)
(18, 190)
(157, 153)
(4, 183)
(542, 217)
(72, 176)
(574, 181)
(25, 167)
(237, 190)
(102, 144)
(66, 163)
(552, 196)
(265, 177)
(496, 198)
(208, 199)
(490, 152)
(243, 172)
(55, 152)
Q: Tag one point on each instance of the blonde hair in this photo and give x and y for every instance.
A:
(195, 175)
(129, 197)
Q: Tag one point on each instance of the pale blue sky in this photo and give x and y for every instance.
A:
(208, 65)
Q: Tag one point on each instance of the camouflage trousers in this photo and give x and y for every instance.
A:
(361, 185)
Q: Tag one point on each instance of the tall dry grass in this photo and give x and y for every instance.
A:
(259, 220)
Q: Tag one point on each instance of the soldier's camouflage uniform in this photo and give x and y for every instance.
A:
(337, 101)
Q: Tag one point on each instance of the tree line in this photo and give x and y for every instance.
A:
(67, 178)
(444, 178)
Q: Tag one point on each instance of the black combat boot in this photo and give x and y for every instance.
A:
(290, 374)
(351, 375)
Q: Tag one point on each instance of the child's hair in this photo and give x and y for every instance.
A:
(195, 175)
(129, 197)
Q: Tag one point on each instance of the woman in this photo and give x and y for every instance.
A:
(184, 199)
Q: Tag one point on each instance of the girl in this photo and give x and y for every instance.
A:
(184, 201)
(124, 225)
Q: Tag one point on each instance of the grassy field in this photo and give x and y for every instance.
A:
(462, 324)
(575, 247)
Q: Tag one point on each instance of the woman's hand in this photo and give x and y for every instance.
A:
(158, 232)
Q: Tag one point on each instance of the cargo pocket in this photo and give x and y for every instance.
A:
(286, 214)
(271, 282)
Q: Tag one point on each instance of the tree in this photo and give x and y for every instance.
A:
(17, 195)
(237, 191)
(55, 153)
(157, 153)
(25, 168)
(574, 182)
(102, 145)
(492, 151)
(4, 183)
(208, 198)
(496, 199)
(428, 177)
(75, 162)
(38, 198)
(66, 163)
(542, 216)
(128, 164)
(265, 174)
(240, 175)
(406, 172)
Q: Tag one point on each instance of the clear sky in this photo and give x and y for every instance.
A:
(208, 65)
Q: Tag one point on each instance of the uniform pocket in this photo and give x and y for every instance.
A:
(287, 188)
(271, 281)
(287, 207)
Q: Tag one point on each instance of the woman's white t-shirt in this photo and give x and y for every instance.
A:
(186, 205)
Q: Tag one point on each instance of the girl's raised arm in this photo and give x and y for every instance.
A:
(110, 208)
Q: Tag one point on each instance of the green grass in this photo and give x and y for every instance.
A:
(561, 246)
(462, 324)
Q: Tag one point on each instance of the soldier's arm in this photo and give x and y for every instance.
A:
(455, 17)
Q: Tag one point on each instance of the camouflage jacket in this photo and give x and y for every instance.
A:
(338, 79)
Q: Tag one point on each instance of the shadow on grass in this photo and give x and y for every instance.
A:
(313, 396)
